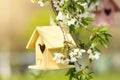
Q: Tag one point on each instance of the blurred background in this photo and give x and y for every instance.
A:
(18, 19)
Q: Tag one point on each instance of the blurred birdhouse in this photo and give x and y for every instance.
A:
(48, 40)
(105, 13)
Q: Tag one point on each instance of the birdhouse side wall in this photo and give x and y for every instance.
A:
(51, 63)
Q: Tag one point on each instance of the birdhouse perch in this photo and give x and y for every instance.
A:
(47, 40)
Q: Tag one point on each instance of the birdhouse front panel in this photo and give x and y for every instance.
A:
(40, 52)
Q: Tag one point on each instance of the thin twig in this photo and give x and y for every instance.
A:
(53, 8)
(78, 64)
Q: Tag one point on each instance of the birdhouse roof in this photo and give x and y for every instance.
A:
(116, 7)
(52, 37)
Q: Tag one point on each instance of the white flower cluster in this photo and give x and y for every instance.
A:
(76, 54)
(73, 56)
(60, 58)
(67, 18)
(41, 3)
(93, 54)
(58, 4)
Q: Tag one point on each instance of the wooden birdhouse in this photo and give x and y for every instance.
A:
(48, 40)
(105, 13)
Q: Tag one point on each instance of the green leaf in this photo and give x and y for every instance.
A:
(90, 60)
(72, 29)
(89, 19)
(66, 5)
(80, 7)
(104, 29)
(84, 22)
(107, 34)
(70, 73)
(83, 77)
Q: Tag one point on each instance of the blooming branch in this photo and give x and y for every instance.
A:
(76, 15)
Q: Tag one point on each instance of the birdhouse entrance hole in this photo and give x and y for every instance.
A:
(42, 47)
(107, 11)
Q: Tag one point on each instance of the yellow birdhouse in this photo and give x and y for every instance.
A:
(47, 40)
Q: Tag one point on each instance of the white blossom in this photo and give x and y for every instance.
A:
(60, 16)
(82, 51)
(84, 5)
(76, 50)
(66, 61)
(71, 22)
(58, 58)
(57, 4)
(76, 54)
(93, 54)
(72, 54)
(73, 59)
(40, 2)
(97, 54)
(61, 2)
(92, 45)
